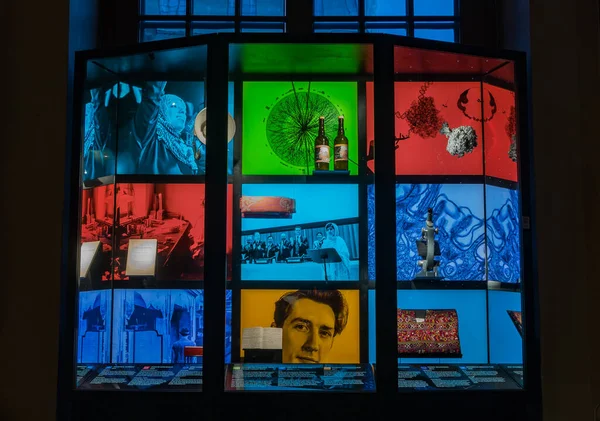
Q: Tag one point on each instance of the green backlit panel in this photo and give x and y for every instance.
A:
(281, 119)
(301, 58)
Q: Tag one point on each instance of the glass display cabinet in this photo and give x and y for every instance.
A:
(317, 216)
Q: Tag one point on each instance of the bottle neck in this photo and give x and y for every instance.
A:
(341, 126)
(321, 127)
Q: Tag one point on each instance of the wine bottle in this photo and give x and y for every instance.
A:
(341, 147)
(322, 148)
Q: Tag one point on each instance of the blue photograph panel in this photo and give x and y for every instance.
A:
(503, 234)
(470, 307)
(156, 326)
(162, 128)
(93, 335)
(286, 229)
(506, 343)
(458, 215)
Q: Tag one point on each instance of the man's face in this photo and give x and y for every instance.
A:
(257, 237)
(308, 332)
(176, 112)
(319, 236)
(283, 237)
(298, 232)
(270, 241)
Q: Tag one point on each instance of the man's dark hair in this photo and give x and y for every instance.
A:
(270, 236)
(332, 298)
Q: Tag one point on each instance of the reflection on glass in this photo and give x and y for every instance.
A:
(163, 7)
(385, 7)
(155, 31)
(394, 28)
(214, 7)
(434, 7)
(336, 7)
(506, 342)
(203, 28)
(263, 27)
(503, 234)
(435, 34)
(263, 7)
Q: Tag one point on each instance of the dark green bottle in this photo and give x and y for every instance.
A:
(322, 148)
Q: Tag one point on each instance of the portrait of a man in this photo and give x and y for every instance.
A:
(310, 321)
(317, 326)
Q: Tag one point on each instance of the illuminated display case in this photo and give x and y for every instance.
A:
(355, 206)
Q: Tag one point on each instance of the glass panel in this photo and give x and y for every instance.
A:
(434, 7)
(155, 31)
(263, 27)
(394, 28)
(290, 323)
(163, 152)
(385, 7)
(214, 7)
(263, 7)
(333, 27)
(435, 34)
(503, 221)
(458, 215)
(99, 128)
(282, 239)
(282, 121)
(422, 110)
(336, 7)
(203, 28)
(162, 7)
(458, 239)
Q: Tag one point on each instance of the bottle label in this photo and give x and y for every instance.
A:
(322, 154)
(341, 152)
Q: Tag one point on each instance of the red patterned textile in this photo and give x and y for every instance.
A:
(436, 336)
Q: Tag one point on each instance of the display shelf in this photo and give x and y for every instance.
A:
(504, 286)
(500, 182)
(154, 284)
(441, 285)
(439, 179)
(100, 181)
(305, 285)
(313, 179)
(432, 377)
(159, 179)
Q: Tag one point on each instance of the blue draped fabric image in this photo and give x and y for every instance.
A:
(154, 326)
(503, 234)
(93, 339)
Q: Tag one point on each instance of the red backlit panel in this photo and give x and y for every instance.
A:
(422, 109)
(500, 132)
(173, 216)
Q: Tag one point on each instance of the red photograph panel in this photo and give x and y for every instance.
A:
(97, 215)
(161, 231)
(501, 135)
(438, 127)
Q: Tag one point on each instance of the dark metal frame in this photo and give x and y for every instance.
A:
(213, 402)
